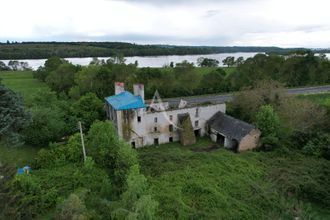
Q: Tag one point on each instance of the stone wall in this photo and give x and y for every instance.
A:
(250, 141)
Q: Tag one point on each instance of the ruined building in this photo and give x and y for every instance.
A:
(143, 123)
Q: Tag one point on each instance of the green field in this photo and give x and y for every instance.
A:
(322, 99)
(196, 183)
(23, 83)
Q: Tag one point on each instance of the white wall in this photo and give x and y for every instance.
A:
(145, 128)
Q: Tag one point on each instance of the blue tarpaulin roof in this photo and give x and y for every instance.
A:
(125, 101)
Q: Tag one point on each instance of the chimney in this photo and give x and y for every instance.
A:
(119, 87)
(139, 90)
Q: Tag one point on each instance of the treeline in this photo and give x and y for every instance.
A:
(183, 79)
(39, 50)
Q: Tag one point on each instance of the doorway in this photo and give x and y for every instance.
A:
(197, 132)
(156, 141)
(220, 139)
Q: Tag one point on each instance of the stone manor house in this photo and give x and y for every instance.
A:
(142, 123)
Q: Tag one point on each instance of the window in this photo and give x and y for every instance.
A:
(156, 142)
(155, 119)
(196, 123)
(155, 128)
(171, 117)
(170, 128)
(170, 139)
(139, 118)
(197, 112)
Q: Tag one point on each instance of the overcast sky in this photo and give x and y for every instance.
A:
(285, 23)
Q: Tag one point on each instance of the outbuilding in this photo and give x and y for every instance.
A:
(233, 133)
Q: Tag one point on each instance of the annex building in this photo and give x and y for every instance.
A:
(153, 122)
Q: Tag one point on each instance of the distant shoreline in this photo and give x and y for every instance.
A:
(44, 50)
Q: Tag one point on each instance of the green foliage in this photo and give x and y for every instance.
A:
(109, 152)
(88, 109)
(62, 79)
(293, 70)
(318, 146)
(52, 117)
(47, 125)
(229, 61)
(135, 203)
(70, 152)
(269, 123)
(224, 185)
(207, 62)
(214, 82)
(13, 117)
(50, 65)
(43, 189)
(72, 208)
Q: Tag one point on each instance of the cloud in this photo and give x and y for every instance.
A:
(207, 22)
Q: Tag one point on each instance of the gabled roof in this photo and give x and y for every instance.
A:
(125, 101)
(231, 127)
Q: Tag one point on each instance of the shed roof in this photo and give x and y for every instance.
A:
(125, 101)
(231, 127)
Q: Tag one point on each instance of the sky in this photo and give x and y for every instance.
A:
(283, 23)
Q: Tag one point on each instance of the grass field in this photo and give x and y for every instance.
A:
(193, 183)
(23, 83)
(322, 99)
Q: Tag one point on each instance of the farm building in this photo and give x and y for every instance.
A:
(143, 123)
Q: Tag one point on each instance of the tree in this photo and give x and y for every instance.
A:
(110, 152)
(239, 61)
(72, 208)
(268, 121)
(213, 82)
(3, 66)
(88, 109)
(13, 117)
(135, 202)
(248, 101)
(13, 65)
(53, 63)
(207, 62)
(47, 125)
(229, 61)
(62, 79)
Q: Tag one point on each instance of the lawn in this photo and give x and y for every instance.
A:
(23, 83)
(192, 183)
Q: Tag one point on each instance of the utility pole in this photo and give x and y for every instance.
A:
(82, 140)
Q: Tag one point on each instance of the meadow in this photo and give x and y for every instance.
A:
(23, 83)
(195, 183)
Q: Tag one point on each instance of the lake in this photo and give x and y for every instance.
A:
(147, 61)
(144, 61)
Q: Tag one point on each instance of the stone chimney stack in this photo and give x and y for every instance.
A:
(139, 90)
(119, 87)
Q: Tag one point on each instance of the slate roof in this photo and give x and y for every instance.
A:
(230, 127)
(125, 101)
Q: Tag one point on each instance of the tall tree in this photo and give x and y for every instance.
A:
(13, 117)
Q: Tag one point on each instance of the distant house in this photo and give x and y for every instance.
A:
(142, 123)
(233, 133)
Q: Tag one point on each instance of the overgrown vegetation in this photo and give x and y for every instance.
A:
(290, 180)
(225, 185)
